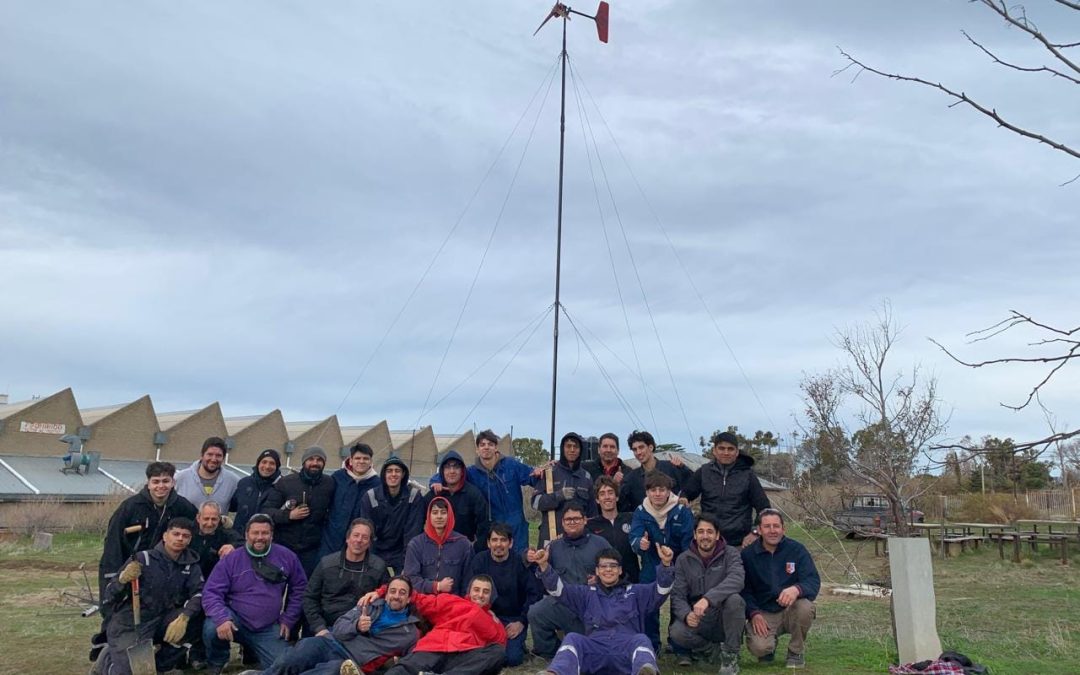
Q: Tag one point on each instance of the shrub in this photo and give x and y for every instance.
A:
(991, 508)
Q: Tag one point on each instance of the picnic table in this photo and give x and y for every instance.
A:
(985, 529)
(1064, 526)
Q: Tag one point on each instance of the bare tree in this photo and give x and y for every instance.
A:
(1061, 68)
(1056, 347)
(897, 414)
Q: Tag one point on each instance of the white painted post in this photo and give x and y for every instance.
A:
(914, 604)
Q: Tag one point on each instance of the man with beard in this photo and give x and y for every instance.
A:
(138, 524)
(341, 578)
(659, 520)
(614, 526)
(253, 597)
(729, 489)
(781, 585)
(437, 559)
(466, 638)
(351, 483)
(708, 611)
(470, 508)
(632, 490)
(516, 588)
(299, 505)
(571, 486)
(397, 510)
(573, 556)
(206, 479)
(368, 635)
(170, 596)
(251, 491)
(609, 463)
(613, 613)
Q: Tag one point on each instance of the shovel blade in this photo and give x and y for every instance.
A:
(141, 658)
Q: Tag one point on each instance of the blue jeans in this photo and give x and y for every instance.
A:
(310, 656)
(515, 648)
(266, 643)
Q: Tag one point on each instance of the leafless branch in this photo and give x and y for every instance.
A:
(961, 97)
(1071, 5)
(1039, 69)
(1017, 447)
(1021, 22)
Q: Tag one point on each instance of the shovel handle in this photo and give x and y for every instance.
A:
(135, 603)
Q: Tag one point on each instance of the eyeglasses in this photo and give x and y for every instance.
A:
(608, 566)
(572, 519)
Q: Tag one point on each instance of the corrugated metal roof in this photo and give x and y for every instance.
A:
(295, 429)
(12, 408)
(235, 425)
(44, 474)
(444, 441)
(167, 420)
(10, 485)
(91, 415)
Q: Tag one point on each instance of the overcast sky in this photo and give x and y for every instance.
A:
(233, 201)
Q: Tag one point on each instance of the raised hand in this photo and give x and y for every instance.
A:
(645, 544)
(666, 554)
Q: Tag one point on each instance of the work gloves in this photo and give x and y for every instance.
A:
(130, 572)
(174, 632)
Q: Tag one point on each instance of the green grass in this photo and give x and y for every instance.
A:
(1014, 618)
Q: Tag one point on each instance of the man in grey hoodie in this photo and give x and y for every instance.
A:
(709, 613)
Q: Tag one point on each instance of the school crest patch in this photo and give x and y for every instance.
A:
(789, 568)
(626, 528)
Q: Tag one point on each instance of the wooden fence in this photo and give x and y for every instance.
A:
(1061, 504)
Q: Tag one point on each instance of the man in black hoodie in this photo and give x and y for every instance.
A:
(571, 486)
(251, 491)
(471, 518)
(138, 525)
(397, 509)
(299, 505)
(729, 489)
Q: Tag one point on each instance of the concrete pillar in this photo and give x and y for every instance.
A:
(914, 605)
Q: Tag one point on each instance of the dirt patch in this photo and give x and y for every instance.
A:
(39, 599)
(50, 565)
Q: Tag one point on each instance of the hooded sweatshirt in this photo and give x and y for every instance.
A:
(349, 490)
(302, 536)
(731, 493)
(470, 507)
(398, 518)
(501, 486)
(251, 491)
(716, 576)
(565, 474)
(431, 556)
(671, 525)
(189, 485)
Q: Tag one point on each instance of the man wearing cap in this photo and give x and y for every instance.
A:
(299, 505)
(252, 491)
(351, 482)
(397, 510)
(207, 479)
(729, 489)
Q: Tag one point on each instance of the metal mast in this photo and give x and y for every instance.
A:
(562, 11)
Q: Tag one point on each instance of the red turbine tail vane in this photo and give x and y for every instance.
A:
(602, 21)
(562, 11)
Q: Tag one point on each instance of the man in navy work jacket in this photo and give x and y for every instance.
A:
(781, 584)
(613, 613)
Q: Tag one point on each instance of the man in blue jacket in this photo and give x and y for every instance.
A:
(781, 584)
(351, 483)
(437, 559)
(500, 480)
(613, 613)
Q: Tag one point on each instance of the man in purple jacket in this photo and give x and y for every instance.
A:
(244, 595)
(613, 612)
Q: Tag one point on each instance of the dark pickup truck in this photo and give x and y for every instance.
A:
(870, 514)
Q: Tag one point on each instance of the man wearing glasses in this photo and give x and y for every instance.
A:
(614, 612)
(573, 556)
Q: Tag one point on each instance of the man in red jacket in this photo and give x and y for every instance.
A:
(466, 638)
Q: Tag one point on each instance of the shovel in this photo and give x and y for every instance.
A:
(140, 654)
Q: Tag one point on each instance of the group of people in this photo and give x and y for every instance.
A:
(362, 571)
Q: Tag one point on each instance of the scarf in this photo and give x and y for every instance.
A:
(660, 514)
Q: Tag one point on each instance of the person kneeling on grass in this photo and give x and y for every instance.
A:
(781, 584)
(370, 634)
(613, 612)
(170, 596)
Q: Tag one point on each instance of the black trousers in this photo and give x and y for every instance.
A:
(484, 661)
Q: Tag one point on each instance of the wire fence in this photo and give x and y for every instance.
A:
(1050, 504)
